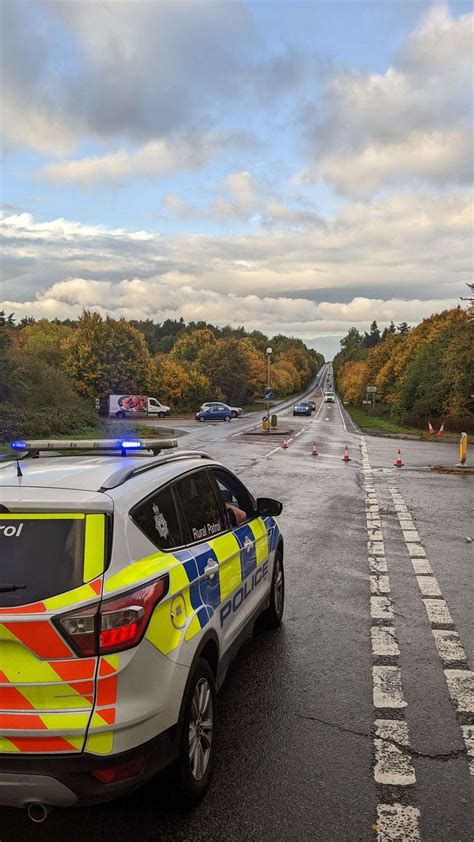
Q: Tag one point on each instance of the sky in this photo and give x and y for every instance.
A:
(293, 167)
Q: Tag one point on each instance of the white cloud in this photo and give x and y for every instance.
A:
(395, 259)
(152, 299)
(158, 157)
(406, 125)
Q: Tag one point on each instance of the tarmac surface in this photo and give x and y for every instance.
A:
(374, 558)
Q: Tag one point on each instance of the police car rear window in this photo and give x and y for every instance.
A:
(39, 558)
(200, 507)
(158, 519)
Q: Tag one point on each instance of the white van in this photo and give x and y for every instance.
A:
(136, 406)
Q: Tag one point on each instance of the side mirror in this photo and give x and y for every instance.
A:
(267, 506)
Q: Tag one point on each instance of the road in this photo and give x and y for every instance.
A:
(353, 721)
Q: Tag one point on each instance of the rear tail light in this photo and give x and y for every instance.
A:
(114, 625)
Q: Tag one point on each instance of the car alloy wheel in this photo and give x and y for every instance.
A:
(278, 588)
(227, 418)
(202, 419)
(201, 725)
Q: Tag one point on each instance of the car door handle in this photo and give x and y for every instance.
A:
(211, 568)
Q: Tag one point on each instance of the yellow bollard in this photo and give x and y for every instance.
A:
(462, 451)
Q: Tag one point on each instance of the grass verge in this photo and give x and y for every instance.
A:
(384, 426)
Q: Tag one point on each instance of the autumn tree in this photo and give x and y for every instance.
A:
(106, 355)
(46, 340)
(188, 346)
(228, 365)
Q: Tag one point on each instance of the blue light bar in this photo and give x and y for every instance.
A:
(130, 444)
(19, 445)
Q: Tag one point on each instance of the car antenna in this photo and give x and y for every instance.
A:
(18, 469)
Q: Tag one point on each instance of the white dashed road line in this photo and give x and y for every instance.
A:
(459, 678)
(393, 768)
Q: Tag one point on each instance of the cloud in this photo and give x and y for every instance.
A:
(364, 264)
(140, 299)
(155, 158)
(406, 125)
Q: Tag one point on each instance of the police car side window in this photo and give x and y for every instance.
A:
(199, 506)
(239, 504)
(158, 518)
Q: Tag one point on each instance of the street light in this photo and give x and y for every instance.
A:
(269, 357)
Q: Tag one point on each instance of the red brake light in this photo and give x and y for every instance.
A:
(117, 624)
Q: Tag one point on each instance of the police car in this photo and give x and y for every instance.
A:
(130, 574)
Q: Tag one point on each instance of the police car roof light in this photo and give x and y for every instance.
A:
(36, 445)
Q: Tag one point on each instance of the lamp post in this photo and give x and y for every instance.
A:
(269, 357)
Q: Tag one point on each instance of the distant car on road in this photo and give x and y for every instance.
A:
(312, 405)
(235, 411)
(215, 412)
(302, 408)
(329, 397)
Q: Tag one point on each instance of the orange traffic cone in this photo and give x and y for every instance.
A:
(285, 444)
(441, 430)
(398, 463)
(314, 451)
(430, 427)
(346, 457)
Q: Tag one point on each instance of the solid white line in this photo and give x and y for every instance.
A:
(340, 413)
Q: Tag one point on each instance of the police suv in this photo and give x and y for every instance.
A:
(129, 575)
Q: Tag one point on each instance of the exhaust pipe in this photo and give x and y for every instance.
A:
(38, 812)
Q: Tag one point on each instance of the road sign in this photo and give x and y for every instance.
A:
(367, 402)
(371, 389)
(268, 394)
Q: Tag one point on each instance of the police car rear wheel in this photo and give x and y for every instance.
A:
(197, 734)
(272, 616)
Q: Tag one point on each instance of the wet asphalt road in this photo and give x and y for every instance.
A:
(295, 749)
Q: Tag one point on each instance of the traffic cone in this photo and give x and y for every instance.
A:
(441, 430)
(285, 444)
(346, 457)
(398, 463)
(314, 451)
(430, 427)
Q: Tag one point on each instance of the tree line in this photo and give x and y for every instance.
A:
(421, 374)
(52, 371)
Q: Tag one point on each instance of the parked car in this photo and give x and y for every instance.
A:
(235, 411)
(142, 575)
(302, 408)
(215, 412)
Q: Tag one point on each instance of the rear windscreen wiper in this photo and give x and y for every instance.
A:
(7, 586)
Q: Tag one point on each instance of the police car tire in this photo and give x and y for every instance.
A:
(272, 616)
(191, 791)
